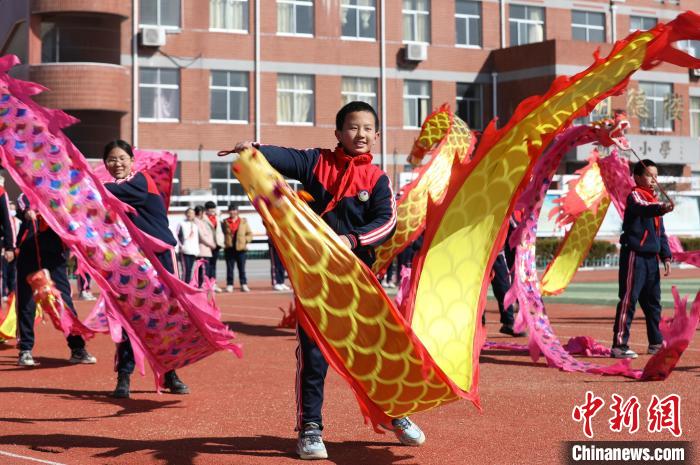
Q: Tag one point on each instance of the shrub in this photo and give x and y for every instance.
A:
(690, 243)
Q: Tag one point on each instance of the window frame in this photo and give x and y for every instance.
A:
(229, 88)
(479, 100)
(588, 27)
(655, 101)
(232, 31)
(167, 27)
(466, 18)
(523, 21)
(694, 116)
(311, 92)
(415, 14)
(295, 4)
(357, 79)
(357, 19)
(643, 18)
(158, 86)
(417, 98)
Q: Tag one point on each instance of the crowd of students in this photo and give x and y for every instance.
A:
(351, 194)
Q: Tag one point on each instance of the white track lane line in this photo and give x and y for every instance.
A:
(31, 459)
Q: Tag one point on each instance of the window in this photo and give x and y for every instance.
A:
(601, 111)
(228, 15)
(655, 94)
(224, 184)
(469, 104)
(694, 116)
(165, 13)
(641, 23)
(468, 23)
(229, 96)
(588, 26)
(295, 17)
(50, 52)
(691, 47)
(416, 21)
(295, 99)
(416, 103)
(364, 89)
(159, 90)
(359, 19)
(526, 24)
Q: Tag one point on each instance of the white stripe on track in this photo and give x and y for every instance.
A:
(32, 459)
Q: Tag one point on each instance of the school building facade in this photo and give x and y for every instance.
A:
(196, 76)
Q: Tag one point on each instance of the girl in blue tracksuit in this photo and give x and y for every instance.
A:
(643, 242)
(355, 199)
(138, 190)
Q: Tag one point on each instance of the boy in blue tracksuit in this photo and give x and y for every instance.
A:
(41, 248)
(643, 242)
(355, 198)
(138, 190)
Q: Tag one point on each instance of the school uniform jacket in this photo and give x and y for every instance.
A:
(643, 227)
(38, 245)
(8, 231)
(140, 192)
(352, 195)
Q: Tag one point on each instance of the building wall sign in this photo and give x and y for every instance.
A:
(661, 149)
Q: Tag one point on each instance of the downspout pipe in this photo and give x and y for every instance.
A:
(257, 71)
(135, 73)
(382, 78)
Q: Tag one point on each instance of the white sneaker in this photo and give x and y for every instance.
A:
(229, 289)
(407, 432)
(286, 288)
(245, 288)
(622, 352)
(25, 359)
(218, 290)
(310, 443)
(279, 287)
(87, 295)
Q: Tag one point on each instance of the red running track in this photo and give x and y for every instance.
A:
(242, 411)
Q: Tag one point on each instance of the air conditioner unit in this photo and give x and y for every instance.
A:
(695, 72)
(152, 36)
(416, 52)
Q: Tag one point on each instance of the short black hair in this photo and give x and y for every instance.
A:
(352, 107)
(122, 144)
(209, 204)
(232, 207)
(198, 209)
(641, 166)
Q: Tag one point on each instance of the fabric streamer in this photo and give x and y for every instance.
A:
(170, 324)
(447, 139)
(8, 325)
(399, 363)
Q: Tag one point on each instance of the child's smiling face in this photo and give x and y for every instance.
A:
(118, 163)
(359, 133)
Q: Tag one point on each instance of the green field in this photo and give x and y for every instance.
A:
(605, 293)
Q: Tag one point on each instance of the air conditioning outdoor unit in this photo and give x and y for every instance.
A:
(416, 52)
(152, 36)
(695, 72)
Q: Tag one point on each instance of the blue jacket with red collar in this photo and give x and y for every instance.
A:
(7, 228)
(139, 191)
(352, 195)
(643, 226)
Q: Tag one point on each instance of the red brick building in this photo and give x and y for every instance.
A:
(212, 72)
